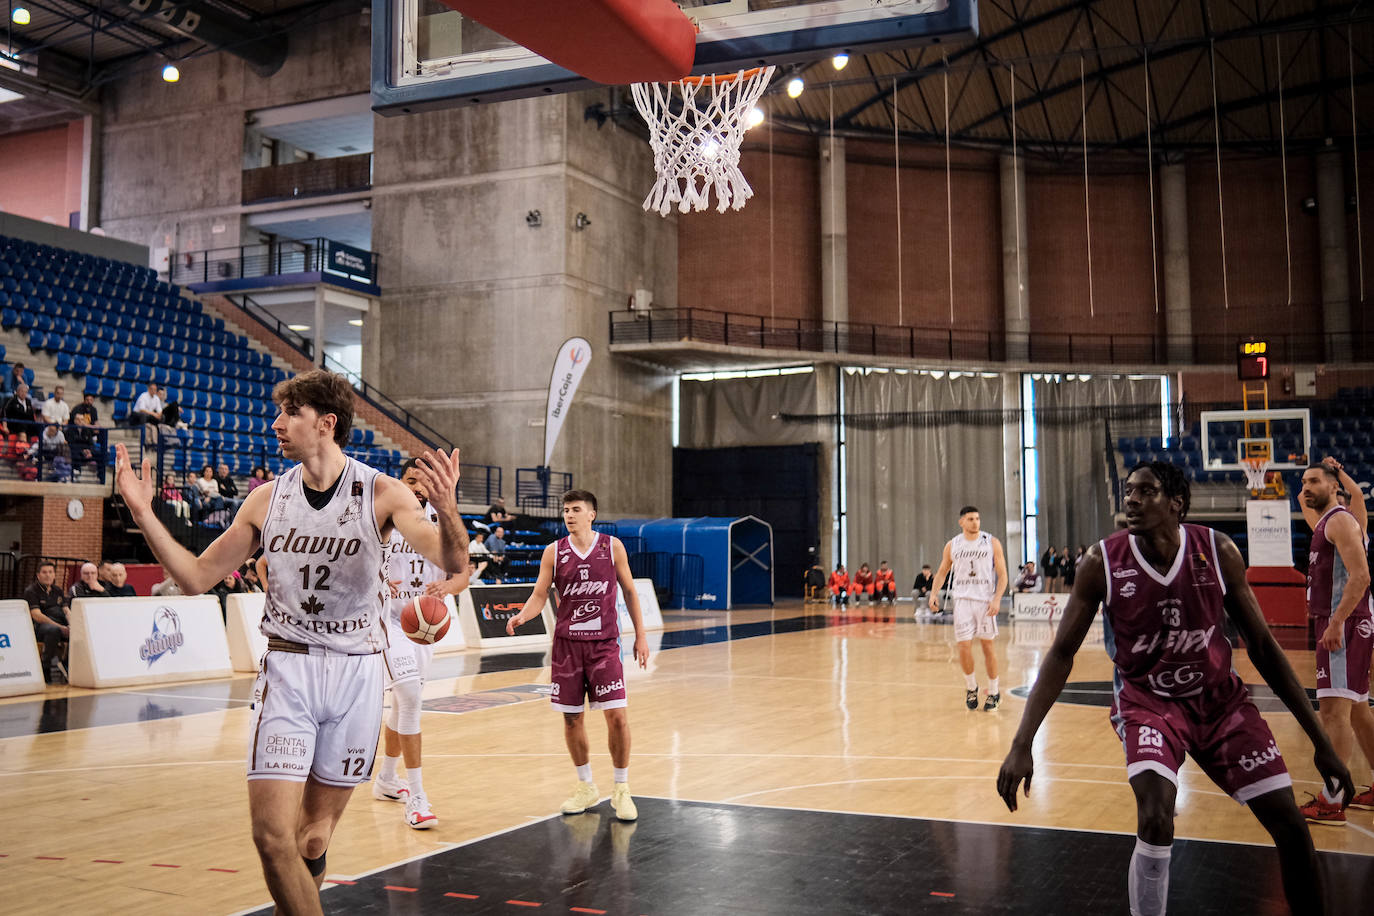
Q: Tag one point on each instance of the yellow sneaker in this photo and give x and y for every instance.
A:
(623, 804)
(584, 796)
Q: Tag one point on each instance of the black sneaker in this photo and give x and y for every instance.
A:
(971, 698)
(994, 699)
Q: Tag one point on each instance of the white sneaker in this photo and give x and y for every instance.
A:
(418, 814)
(584, 796)
(623, 804)
(389, 790)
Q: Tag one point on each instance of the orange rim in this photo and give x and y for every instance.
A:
(718, 78)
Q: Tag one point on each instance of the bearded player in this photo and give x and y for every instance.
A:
(1338, 604)
(1164, 587)
(410, 575)
(585, 568)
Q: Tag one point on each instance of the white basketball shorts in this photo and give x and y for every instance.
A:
(316, 715)
(971, 620)
(405, 659)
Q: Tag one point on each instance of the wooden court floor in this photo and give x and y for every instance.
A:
(861, 712)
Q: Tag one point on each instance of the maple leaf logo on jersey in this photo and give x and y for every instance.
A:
(416, 582)
(313, 605)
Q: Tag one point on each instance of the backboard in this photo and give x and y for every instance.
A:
(1284, 437)
(427, 56)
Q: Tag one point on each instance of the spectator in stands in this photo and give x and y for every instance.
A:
(227, 488)
(478, 550)
(475, 570)
(1068, 568)
(167, 588)
(19, 407)
(258, 479)
(497, 514)
(864, 583)
(921, 587)
(81, 437)
(105, 572)
(86, 408)
(48, 609)
(13, 379)
(1049, 568)
(885, 586)
(207, 487)
(54, 453)
(174, 498)
(496, 544)
(839, 585)
(55, 409)
(148, 407)
(119, 582)
(1029, 579)
(229, 585)
(248, 577)
(89, 586)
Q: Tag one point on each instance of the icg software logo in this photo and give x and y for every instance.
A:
(166, 637)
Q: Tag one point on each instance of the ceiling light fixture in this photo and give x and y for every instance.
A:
(356, 322)
(170, 73)
(299, 327)
(753, 118)
(839, 61)
(795, 87)
(20, 16)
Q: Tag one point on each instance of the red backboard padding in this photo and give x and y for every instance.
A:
(609, 41)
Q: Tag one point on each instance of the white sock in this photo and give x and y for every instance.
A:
(413, 779)
(389, 768)
(1149, 879)
(970, 682)
(1332, 799)
(584, 772)
(992, 686)
(622, 774)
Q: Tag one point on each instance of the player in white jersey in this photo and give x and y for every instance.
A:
(978, 566)
(409, 575)
(318, 700)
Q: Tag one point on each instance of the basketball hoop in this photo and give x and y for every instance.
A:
(1256, 469)
(697, 148)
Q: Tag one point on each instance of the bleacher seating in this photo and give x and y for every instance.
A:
(1343, 427)
(118, 327)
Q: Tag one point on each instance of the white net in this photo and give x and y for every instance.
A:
(1255, 471)
(696, 147)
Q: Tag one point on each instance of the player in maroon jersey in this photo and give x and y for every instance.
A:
(1338, 605)
(1164, 586)
(585, 568)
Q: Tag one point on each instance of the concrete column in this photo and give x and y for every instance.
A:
(1015, 259)
(92, 126)
(834, 232)
(1335, 257)
(1014, 542)
(1178, 298)
(319, 325)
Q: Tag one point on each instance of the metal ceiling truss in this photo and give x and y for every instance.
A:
(1092, 38)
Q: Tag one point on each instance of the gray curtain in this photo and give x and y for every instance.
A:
(1075, 505)
(909, 471)
(743, 411)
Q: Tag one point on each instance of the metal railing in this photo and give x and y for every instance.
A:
(800, 334)
(80, 458)
(282, 256)
(310, 178)
(541, 488)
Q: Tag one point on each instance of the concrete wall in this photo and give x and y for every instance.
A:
(40, 173)
(483, 301)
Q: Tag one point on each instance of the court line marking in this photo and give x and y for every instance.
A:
(916, 817)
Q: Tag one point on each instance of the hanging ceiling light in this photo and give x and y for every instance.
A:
(753, 118)
(795, 87)
(170, 74)
(20, 16)
(839, 61)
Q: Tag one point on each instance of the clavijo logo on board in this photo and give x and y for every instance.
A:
(166, 637)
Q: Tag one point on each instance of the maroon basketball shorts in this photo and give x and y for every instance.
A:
(587, 668)
(1345, 673)
(1228, 739)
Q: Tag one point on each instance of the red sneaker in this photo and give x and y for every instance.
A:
(1364, 800)
(1320, 811)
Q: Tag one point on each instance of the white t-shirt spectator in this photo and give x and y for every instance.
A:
(148, 403)
(55, 411)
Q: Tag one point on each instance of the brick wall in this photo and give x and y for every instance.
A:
(757, 263)
(47, 530)
(218, 305)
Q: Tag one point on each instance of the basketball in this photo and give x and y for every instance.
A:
(425, 620)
